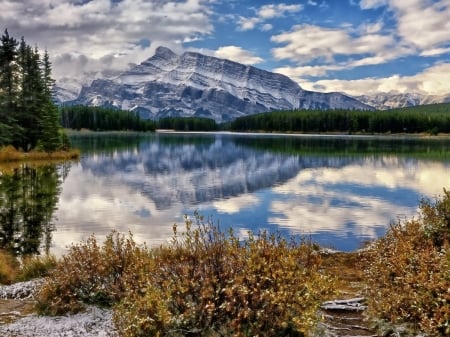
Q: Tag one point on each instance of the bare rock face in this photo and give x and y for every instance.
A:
(193, 84)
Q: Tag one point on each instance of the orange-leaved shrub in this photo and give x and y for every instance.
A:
(208, 283)
(9, 267)
(92, 274)
(408, 272)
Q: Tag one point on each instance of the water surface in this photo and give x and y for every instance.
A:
(341, 191)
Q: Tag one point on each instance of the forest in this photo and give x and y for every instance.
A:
(430, 119)
(29, 119)
(103, 119)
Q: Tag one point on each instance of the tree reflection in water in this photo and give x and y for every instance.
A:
(28, 198)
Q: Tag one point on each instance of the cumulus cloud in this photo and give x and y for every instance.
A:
(237, 54)
(421, 23)
(104, 30)
(420, 28)
(306, 43)
(272, 11)
(371, 4)
(433, 80)
(267, 12)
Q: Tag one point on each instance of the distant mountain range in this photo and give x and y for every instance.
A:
(193, 84)
(392, 100)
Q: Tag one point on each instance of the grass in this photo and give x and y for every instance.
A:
(10, 154)
(14, 269)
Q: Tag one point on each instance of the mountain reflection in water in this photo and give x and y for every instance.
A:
(341, 191)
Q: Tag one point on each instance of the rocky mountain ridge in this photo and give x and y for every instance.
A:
(193, 84)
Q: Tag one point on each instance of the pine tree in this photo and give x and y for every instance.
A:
(28, 115)
(49, 117)
(8, 88)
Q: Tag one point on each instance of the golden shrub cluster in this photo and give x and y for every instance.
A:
(91, 274)
(9, 267)
(408, 271)
(208, 283)
(204, 283)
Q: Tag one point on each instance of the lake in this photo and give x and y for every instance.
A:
(341, 191)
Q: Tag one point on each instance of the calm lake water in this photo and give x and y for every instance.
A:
(339, 190)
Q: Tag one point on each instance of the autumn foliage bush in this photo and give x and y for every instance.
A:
(208, 283)
(408, 272)
(91, 274)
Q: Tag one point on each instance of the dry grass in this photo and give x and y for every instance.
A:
(10, 154)
(9, 267)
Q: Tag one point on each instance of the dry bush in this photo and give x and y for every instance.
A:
(207, 283)
(9, 267)
(408, 272)
(9, 153)
(91, 274)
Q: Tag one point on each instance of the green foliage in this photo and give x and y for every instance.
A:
(427, 118)
(408, 271)
(103, 119)
(28, 115)
(208, 283)
(188, 124)
(92, 274)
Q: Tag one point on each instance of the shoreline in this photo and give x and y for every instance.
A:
(9, 154)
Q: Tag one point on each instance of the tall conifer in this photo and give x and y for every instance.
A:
(8, 88)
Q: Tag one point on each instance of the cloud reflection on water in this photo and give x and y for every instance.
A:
(337, 198)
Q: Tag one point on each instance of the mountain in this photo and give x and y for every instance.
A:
(193, 84)
(392, 100)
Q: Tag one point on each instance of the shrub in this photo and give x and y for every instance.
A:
(8, 153)
(408, 271)
(91, 274)
(206, 282)
(9, 267)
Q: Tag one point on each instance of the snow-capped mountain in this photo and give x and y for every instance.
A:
(392, 100)
(193, 84)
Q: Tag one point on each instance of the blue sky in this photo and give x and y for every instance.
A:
(354, 46)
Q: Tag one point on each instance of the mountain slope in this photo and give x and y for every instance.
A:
(194, 84)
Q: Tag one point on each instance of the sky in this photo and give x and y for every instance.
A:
(352, 46)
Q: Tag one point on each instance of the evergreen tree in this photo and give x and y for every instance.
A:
(8, 88)
(28, 115)
(49, 118)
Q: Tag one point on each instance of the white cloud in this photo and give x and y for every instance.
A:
(266, 27)
(305, 43)
(435, 52)
(423, 24)
(237, 54)
(248, 23)
(433, 81)
(371, 4)
(309, 71)
(272, 11)
(98, 30)
(236, 204)
(267, 12)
